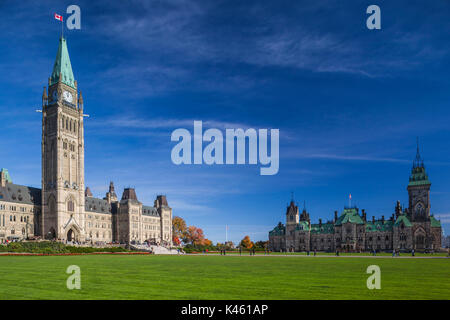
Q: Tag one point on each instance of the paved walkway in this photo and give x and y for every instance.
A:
(318, 256)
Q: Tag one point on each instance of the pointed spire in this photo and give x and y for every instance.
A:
(62, 69)
(80, 99)
(44, 96)
(418, 161)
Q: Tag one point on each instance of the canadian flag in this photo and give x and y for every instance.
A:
(58, 17)
(350, 196)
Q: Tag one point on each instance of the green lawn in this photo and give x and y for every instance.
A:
(218, 277)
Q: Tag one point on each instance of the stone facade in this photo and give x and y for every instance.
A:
(406, 229)
(63, 209)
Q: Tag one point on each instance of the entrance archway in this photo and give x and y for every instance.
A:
(419, 239)
(72, 235)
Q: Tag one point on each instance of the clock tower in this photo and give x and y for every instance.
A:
(419, 191)
(63, 200)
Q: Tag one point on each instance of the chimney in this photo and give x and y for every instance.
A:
(320, 222)
(4, 177)
(392, 218)
(335, 216)
(363, 214)
(382, 219)
(373, 219)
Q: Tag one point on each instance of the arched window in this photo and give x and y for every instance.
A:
(67, 123)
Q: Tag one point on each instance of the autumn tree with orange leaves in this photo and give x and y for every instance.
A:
(246, 242)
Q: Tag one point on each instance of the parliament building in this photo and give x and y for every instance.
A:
(411, 228)
(63, 209)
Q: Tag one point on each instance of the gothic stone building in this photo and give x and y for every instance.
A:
(406, 229)
(63, 209)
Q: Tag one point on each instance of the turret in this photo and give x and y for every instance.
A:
(398, 209)
(87, 192)
(111, 194)
(292, 214)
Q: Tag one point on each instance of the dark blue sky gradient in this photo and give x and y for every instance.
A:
(349, 102)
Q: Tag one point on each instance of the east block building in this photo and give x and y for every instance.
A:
(64, 209)
(406, 229)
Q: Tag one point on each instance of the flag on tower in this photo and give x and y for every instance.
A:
(350, 196)
(58, 17)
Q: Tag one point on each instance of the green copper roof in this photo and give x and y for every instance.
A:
(418, 175)
(379, 226)
(7, 176)
(350, 215)
(403, 218)
(62, 66)
(279, 230)
(324, 228)
(435, 222)
(303, 225)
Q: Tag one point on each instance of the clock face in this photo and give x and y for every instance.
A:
(67, 96)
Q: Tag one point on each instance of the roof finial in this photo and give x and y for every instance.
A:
(418, 151)
(304, 205)
(292, 196)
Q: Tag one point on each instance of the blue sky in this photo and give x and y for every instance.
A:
(349, 102)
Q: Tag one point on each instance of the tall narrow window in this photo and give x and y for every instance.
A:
(70, 206)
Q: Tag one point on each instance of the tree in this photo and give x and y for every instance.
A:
(246, 242)
(194, 236)
(206, 242)
(176, 241)
(178, 227)
(261, 244)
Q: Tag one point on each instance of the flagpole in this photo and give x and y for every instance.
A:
(62, 28)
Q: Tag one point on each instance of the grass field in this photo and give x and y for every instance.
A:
(218, 277)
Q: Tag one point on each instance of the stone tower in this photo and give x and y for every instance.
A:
(419, 191)
(292, 219)
(63, 197)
